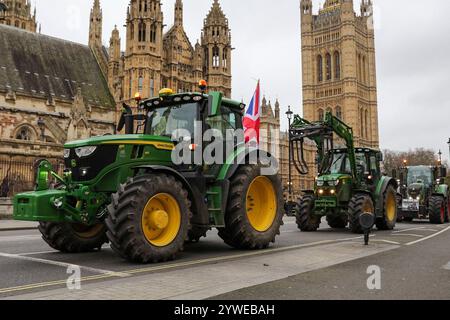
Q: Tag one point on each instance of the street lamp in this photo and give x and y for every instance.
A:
(448, 145)
(41, 125)
(289, 115)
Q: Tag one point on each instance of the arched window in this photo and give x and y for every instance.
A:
(140, 84)
(319, 68)
(366, 123)
(364, 79)
(339, 112)
(329, 110)
(16, 24)
(321, 115)
(142, 32)
(23, 25)
(25, 133)
(358, 62)
(225, 58)
(153, 33)
(337, 65)
(8, 22)
(132, 31)
(361, 118)
(216, 57)
(328, 60)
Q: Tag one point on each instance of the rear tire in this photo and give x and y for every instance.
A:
(359, 204)
(447, 216)
(73, 238)
(254, 212)
(306, 220)
(437, 210)
(337, 222)
(149, 219)
(390, 210)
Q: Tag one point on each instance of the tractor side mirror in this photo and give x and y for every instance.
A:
(443, 172)
(126, 120)
(380, 157)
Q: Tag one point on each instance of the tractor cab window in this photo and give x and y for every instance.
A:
(227, 119)
(420, 174)
(165, 121)
(362, 164)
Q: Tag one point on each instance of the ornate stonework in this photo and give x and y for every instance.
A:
(154, 60)
(18, 14)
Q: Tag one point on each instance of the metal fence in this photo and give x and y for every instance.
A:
(19, 176)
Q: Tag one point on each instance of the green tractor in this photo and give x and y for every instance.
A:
(349, 182)
(425, 194)
(128, 190)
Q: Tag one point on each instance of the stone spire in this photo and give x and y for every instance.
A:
(95, 25)
(178, 12)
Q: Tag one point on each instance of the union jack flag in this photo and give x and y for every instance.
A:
(252, 119)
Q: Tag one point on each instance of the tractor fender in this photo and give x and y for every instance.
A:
(196, 198)
(441, 190)
(383, 184)
(243, 156)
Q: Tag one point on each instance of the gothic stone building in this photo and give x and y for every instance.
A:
(338, 63)
(51, 91)
(18, 14)
(154, 60)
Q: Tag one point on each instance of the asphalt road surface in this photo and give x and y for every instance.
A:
(414, 262)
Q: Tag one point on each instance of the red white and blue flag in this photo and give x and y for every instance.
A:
(252, 119)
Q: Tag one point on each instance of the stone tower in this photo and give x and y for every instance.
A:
(18, 14)
(95, 25)
(143, 54)
(338, 66)
(216, 43)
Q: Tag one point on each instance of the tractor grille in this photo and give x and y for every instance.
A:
(87, 168)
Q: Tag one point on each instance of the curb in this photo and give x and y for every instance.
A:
(18, 228)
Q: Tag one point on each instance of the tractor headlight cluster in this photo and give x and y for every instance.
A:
(334, 183)
(85, 151)
(320, 183)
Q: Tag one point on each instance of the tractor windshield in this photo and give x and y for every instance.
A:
(166, 120)
(341, 163)
(420, 174)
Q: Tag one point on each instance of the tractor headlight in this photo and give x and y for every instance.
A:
(321, 191)
(85, 151)
(320, 183)
(66, 153)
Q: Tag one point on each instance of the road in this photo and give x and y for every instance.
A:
(414, 261)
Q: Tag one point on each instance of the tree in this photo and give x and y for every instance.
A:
(420, 156)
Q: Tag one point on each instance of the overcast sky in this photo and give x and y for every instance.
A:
(412, 43)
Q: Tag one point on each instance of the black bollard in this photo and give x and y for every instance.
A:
(366, 220)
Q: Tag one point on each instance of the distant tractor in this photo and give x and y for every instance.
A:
(127, 190)
(425, 194)
(349, 181)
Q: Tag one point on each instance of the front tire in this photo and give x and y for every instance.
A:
(306, 220)
(389, 210)
(359, 204)
(149, 219)
(437, 210)
(254, 212)
(73, 238)
(337, 221)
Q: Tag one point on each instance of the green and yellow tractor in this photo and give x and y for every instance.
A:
(425, 195)
(349, 182)
(132, 191)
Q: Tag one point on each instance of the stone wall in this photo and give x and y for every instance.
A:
(6, 208)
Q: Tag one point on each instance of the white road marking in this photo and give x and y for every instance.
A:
(64, 264)
(411, 229)
(407, 235)
(386, 241)
(429, 237)
(37, 252)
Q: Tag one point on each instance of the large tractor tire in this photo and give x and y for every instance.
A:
(359, 204)
(149, 219)
(390, 210)
(254, 211)
(447, 211)
(306, 220)
(337, 221)
(72, 237)
(437, 209)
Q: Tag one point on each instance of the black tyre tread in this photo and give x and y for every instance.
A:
(337, 221)
(123, 221)
(435, 209)
(382, 223)
(238, 233)
(61, 237)
(355, 209)
(304, 221)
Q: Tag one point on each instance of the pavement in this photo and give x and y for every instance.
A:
(298, 266)
(12, 225)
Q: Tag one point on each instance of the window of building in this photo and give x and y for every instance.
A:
(153, 33)
(23, 25)
(216, 57)
(225, 58)
(339, 112)
(328, 61)
(366, 123)
(364, 78)
(337, 65)
(321, 115)
(319, 68)
(361, 118)
(152, 87)
(24, 133)
(132, 31)
(140, 84)
(142, 32)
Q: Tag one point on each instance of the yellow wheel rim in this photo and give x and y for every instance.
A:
(261, 204)
(391, 207)
(161, 220)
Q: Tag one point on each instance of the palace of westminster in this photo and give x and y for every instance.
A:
(53, 90)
